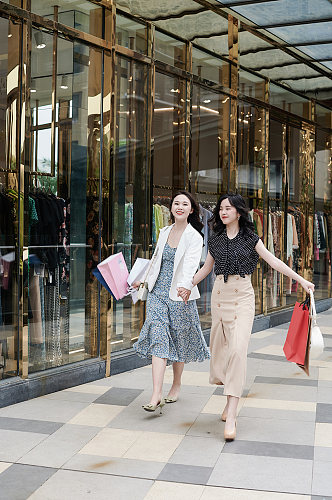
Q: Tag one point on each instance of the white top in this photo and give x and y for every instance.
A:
(186, 261)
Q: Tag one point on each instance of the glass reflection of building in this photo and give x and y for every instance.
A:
(106, 109)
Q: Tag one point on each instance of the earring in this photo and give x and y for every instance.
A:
(239, 217)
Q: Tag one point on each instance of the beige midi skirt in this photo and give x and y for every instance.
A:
(233, 311)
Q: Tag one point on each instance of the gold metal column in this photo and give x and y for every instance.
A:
(22, 155)
(187, 104)
(307, 163)
(233, 55)
(266, 129)
(109, 130)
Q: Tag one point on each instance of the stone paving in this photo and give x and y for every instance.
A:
(94, 441)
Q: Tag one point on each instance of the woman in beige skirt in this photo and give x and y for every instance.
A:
(234, 251)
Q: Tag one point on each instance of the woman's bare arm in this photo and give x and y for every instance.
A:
(281, 267)
(205, 270)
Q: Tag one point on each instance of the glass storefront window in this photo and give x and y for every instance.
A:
(251, 85)
(295, 218)
(170, 50)
(64, 185)
(210, 68)
(131, 34)
(275, 222)
(81, 15)
(323, 215)
(323, 116)
(9, 197)
(290, 102)
(129, 197)
(168, 139)
(208, 166)
(251, 149)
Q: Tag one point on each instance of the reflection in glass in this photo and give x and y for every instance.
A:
(251, 85)
(292, 103)
(170, 50)
(63, 244)
(131, 34)
(168, 138)
(9, 94)
(295, 218)
(210, 68)
(275, 223)
(128, 217)
(209, 161)
(81, 15)
(251, 135)
(323, 215)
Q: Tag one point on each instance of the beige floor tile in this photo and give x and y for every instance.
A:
(323, 435)
(321, 363)
(96, 415)
(154, 446)
(274, 350)
(216, 404)
(89, 389)
(111, 443)
(190, 378)
(213, 493)
(279, 404)
(263, 334)
(163, 490)
(325, 373)
(4, 466)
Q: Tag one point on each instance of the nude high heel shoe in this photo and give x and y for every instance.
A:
(150, 407)
(230, 436)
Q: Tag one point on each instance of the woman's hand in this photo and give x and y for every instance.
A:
(136, 285)
(307, 285)
(184, 293)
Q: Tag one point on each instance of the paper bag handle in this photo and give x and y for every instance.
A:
(312, 305)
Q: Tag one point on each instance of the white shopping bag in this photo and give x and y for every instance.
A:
(316, 337)
(137, 273)
(138, 270)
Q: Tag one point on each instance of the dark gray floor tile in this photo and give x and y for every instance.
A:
(328, 348)
(191, 474)
(324, 413)
(267, 357)
(18, 482)
(286, 381)
(25, 425)
(269, 449)
(119, 396)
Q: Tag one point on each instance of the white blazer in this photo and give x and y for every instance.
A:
(186, 261)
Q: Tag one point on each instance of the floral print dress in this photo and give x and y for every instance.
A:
(172, 329)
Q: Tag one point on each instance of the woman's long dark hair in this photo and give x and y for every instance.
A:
(237, 202)
(193, 218)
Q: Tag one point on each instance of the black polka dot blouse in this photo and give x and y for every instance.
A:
(236, 256)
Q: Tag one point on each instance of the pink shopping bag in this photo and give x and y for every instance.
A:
(115, 273)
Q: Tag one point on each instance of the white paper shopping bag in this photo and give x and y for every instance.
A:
(138, 270)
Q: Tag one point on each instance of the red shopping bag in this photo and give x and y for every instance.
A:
(298, 336)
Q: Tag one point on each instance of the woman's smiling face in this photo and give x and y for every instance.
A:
(181, 207)
(227, 212)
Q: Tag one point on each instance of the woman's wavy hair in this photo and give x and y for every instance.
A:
(193, 218)
(237, 201)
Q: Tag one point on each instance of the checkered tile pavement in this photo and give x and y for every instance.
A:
(94, 441)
